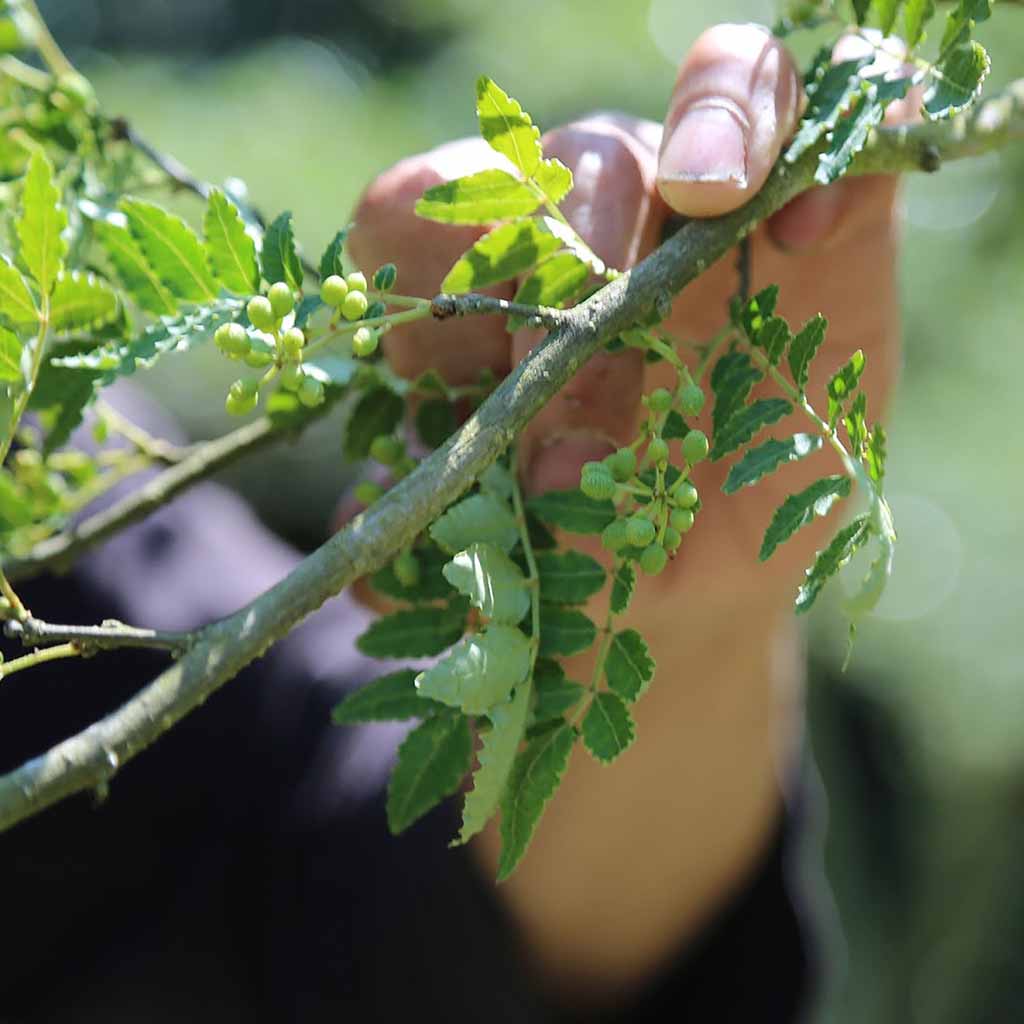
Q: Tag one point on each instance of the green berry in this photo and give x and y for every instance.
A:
(386, 449)
(365, 341)
(659, 400)
(695, 447)
(282, 301)
(231, 339)
(639, 531)
(658, 451)
(407, 569)
(384, 277)
(613, 537)
(355, 305)
(257, 358)
(653, 560)
(333, 290)
(622, 464)
(681, 520)
(292, 377)
(686, 495)
(292, 342)
(691, 399)
(242, 397)
(356, 281)
(311, 392)
(261, 313)
(368, 492)
(596, 484)
(673, 538)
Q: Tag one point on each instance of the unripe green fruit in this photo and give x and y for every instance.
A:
(681, 520)
(292, 342)
(691, 399)
(653, 560)
(231, 339)
(282, 302)
(639, 531)
(368, 492)
(695, 447)
(622, 464)
(257, 358)
(686, 495)
(356, 281)
(292, 377)
(659, 400)
(355, 305)
(386, 449)
(658, 451)
(596, 484)
(261, 313)
(407, 569)
(364, 341)
(242, 397)
(333, 290)
(613, 537)
(311, 392)
(673, 538)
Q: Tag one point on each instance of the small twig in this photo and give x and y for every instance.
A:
(155, 448)
(445, 306)
(108, 636)
(8, 668)
(743, 270)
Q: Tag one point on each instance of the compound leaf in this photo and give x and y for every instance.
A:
(608, 727)
(138, 278)
(492, 582)
(745, 423)
(432, 761)
(570, 577)
(478, 199)
(42, 220)
(431, 585)
(629, 667)
(917, 14)
(961, 20)
(415, 633)
(478, 518)
(231, 249)
(800, 509)
(572, 511)
(830, 94)
(391, 698)
(759, 462)
(503, 253)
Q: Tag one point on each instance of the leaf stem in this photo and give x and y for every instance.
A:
(8, 668)
(52, 54)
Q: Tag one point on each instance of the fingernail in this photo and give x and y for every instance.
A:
(556, 465)
(707, 146)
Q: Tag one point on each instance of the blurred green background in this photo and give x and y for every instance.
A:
(921, 744)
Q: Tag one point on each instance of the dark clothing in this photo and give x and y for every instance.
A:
(241, 869)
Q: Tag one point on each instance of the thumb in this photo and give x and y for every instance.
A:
(735, 104)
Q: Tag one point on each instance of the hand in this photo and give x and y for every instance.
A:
(698, 792)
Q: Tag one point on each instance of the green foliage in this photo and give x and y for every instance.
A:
(137, 277)
(800, 509)
(391, 698)
(478, 518)
(746, 423)
(231, 250)
(43, 219)
(846, 543)
(377, 412)
(843, 384)
(623, 585)
(501, 254)
(759, 462)
(507, 128)
(416, 633)
(492, 582)
(331, 262)
(569, 577)
(555, 695)
(963, 74)
(805, 347)
(81, 300)
(478, 199)
(279, 258)
(555, 282)
(608, 727)
(629, 667)
(572, 511)
(10, 356)
(432, 761)
(565, 631)
(732, 380)
(17, 306)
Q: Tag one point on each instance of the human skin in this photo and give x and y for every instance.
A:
(631, 861)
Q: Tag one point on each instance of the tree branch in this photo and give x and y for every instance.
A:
(108, 636)
(224, 648)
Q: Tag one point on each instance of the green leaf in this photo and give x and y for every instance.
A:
(231, 250)
(15, 506)
(800, 509)
(860, 9)
(492, 582)
(10, 357)
(759, 462)
(675, 427)
(480, 671)
(629, 667)
(856, 427)
(503, 253)
(876, 453)
(431, 586)
(569, 578)
(432, 762)
(804, 348)
(16, 302)
(331, 261)
(378, 411)
(608, 727)
(435, 421)
(732, 380)
(478, 518)
(536, 774)
(279, 258)
(746, 423)
(757, 311)
(41, 223)
(555, 695)
(478, 199)
(564, 631)
(138, 278)
(496, 757)
(62, 395)
(554, 179)
(773, 338)
(416, 633)
(391, 698)
(507, 128)
(623, 584)
(553, 283)
(81, 300)
(885, 12)
(572, 511)
(917, 14)
(10, 36)
(961, 20)
(843, 383)
(843, 547)
(172, 249)
(963, 73)
(830, 94)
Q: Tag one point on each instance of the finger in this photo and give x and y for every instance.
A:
(610, 206)
(388, 230)
(735, 104)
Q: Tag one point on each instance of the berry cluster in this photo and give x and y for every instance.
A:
(656, 502)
